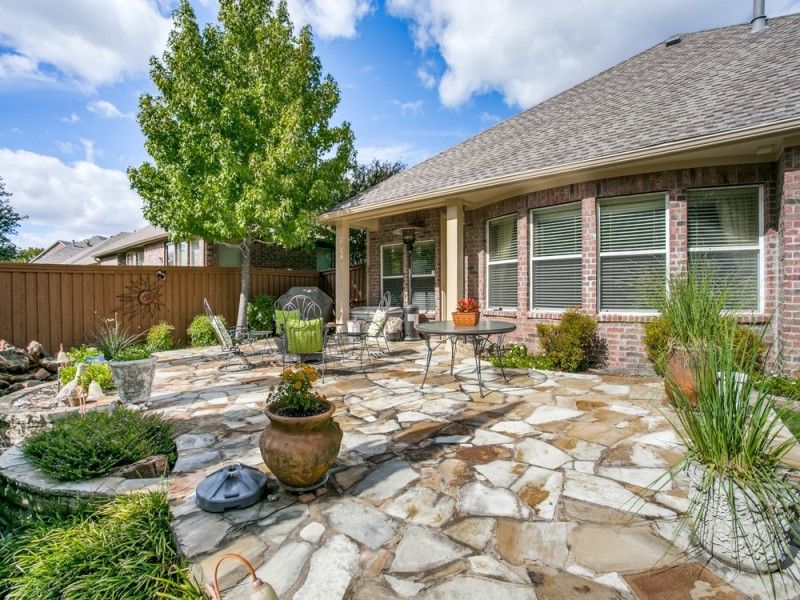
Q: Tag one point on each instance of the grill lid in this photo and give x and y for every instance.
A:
(234, 486)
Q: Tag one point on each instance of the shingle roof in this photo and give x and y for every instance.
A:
(711, 82)
(138, 238)
(69, 250)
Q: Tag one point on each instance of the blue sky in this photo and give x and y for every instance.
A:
(415, 76)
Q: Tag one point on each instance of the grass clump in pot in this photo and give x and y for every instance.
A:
(78, 448)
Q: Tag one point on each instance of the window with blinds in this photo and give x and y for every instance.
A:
(501, 263)
(632, 249)
(423, 276)
(724, 230)
(392, 272)
(194, 249)
(556, 247)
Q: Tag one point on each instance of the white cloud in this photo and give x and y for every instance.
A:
(427, 78)
(88, 148)
(91, 42)
(66, 147)
(529, 52)
(330, 18)
(409, 108)
(67, 201)
(489, 118)
(105, 109)
(73, 118)
(404, 152)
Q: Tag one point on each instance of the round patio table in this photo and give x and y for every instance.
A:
(477, 334)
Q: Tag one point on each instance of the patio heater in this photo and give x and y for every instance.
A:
(410, 312)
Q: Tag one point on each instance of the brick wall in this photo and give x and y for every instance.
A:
(270, 256)
(623, 333)
(154, 254)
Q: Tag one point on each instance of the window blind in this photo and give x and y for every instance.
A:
(556, 279)
(422, 276)
(633, 243)
(502, 273)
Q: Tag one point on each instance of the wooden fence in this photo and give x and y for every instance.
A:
(358, 284)
(61, 304)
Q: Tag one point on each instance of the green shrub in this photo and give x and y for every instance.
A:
(656, 340)
(515, 356)
(747, 343)
(778, 385)
(261, 313)
(78, 448)
(569, 345)
(81, 353)
(159, 337)
(200, 332)
(122, 550)
(137, 352)
(100, 372)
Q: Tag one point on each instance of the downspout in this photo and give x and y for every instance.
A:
(759, 16)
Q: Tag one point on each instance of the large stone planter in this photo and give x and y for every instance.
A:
(300, 450)
(133, 378)
(733, 530)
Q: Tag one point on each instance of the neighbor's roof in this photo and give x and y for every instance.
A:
(138, 238)
(711, 82)
(68, 251)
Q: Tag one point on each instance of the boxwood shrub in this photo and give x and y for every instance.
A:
(78, 448)
(200, 332)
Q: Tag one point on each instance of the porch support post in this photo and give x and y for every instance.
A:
(453, 284)
(342, 272)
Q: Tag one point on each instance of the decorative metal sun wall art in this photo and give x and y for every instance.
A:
(142, 297)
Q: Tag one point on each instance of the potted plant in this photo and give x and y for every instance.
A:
(301, 440)
(132, 365)
(467, 312)
(744, 498)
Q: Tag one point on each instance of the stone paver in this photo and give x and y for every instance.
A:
(436, 493)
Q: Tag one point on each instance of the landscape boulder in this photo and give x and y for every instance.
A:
(14, 360)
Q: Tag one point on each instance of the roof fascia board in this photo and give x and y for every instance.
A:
(440, 197)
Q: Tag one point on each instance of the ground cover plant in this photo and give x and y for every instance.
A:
(515, 356)
(122, 550)
(78, 448)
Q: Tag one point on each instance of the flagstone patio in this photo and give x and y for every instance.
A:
(537, 490)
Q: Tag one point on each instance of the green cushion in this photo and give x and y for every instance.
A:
(281, 316)
(304, 337)
(376, 327)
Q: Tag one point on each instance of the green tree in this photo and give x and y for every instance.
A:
(28, 254)
(9, 223)
(239, 133)
(360, 179)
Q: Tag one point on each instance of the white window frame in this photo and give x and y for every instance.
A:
(531, 242)
(601, 255)
(490, 262)
(759, 246)
(169, 261)
(134, 258)
(431, 276)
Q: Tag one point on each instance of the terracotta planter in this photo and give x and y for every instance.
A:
(468, 319)
(133, 378)
(678, 368)
(733, 533)
(300, 450)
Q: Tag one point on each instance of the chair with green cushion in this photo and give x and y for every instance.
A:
(375, 329)
(305, 336)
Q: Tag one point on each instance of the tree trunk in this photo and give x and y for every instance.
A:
(244, 288)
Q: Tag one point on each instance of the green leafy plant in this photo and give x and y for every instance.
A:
(261, 313)
(293, 397)
(78, 448)
(730, 433)
(111, 338)
(135, 352)
(123, 549)
(571, 345)
(779, 385)
(515, 356)
(159, 337)
(100, 372)
(201, 333)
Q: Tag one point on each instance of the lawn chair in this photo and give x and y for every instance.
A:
(230, 345)
(306, 335)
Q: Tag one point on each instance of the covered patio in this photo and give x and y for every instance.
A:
(440, 493)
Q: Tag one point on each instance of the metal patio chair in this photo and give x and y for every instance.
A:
(231, 345)
(306, 335)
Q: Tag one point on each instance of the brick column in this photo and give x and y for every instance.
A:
(677, 218)
(788, 317)
(590, 252)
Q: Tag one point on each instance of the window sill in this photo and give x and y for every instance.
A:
(499, 313)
